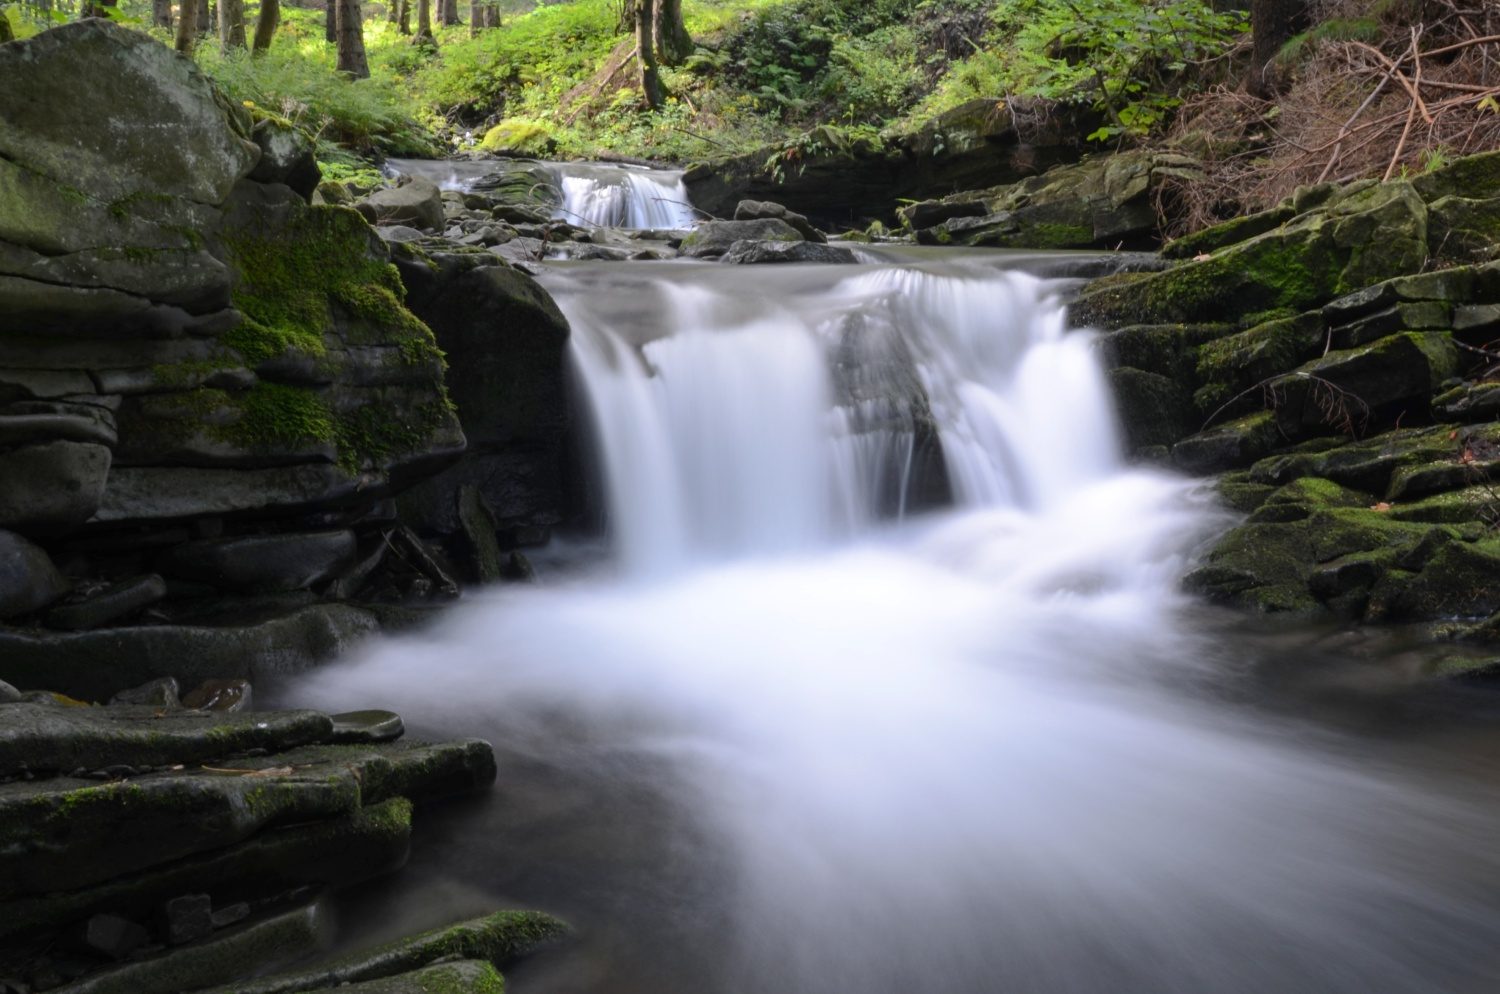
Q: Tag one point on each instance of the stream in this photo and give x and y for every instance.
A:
(882, 680)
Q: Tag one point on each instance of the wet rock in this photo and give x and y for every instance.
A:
(226, 696)
(399, 233)
(45, 737)
(1228, 446)
(1153, 409)
(261, 649)
(231, 915)
(28, 579)
(496, 941)
(477, 527)
(287, 156)
(714, 238)
(352, 727)
(9, 694)
(159, 693)
(277, 939)
(53, 485)
(187, 918)
(755, 210)
(416, 201)
(458, 977)
(116, 601)
(263, 563)
(113, 936)
(931, 213)
(757, 252)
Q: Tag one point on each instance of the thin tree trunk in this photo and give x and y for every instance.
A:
(351, 32)
(424, 35)
(331, 22)
(405, 18)
(6, 34)
(187, 27)
(95, 8)
(161, 13)
(204, 23)
(491, 15)
(476, 18)
(1272, 25)
(673, 43)
(266, 24)
(231, 24)
(450, 12)
(392, 12)
(650, 77)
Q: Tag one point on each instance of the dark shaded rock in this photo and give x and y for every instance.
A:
(1228, 446)
(758, 252)
(930, 213)
(113, 936)
(476, 524)
(234, 913)
(1403, 368)
(159, 693)
(417, 202)
(1154, 410)
(52, 486)
(496, 940)
(9, 694)
(713, 238)
(116, 601)
(506, 342)
(353, 727)
(455, 977)
(1468, 402)
(1460, 580)
(187, 918)
(261, 650)
(219, 695)
(756, 210)
(287, 156)
(28, 579)
(262, 563)
(277, 939)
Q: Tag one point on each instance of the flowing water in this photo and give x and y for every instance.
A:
(804, 730)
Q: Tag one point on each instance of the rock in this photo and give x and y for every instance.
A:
(755, 210)
(497, 940)
(399, 233)
(116, 601)
(1228, 446)
(159, 693)
(931, 213)
(113, 936)
(262, 563)
(1153, 409)
(1468, 402)
(277, 939)
(232, 915)
(287, 156)
(353, 727)
(28, 579)
(457, 977)
(507, 346)
(9, 694)
(219, 695)
(416, 201)
(56, 485)
(476, 524)
(712, 238)
(47, 738)
(260, 650)
(756, 252)
(187, 918)
(1352, 383)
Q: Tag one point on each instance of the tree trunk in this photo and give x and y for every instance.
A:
(266, 23)
(6, 34)
(673, 43)
(476, 18)
(187, 27)
(1272, 25)
(331, 22)
(404, 18)
(424, 35)
(491, 15)
(205, 21)
(161, 13)
(450, 12)
(650, 78)
(351, 30)
(231, 24)
(393, 12)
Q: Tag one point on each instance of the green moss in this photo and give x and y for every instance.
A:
(369, 434)
(276, 415)
(516, 134)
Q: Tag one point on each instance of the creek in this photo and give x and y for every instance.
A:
(883, 681)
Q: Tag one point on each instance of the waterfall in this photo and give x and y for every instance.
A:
(803, 739)
(623, 196)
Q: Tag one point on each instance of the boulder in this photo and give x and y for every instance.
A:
(116, 601)
(758, 252)
(755, 210)
(416, 202)
(287, 156)
(714, 238)
(52, 486)
(28, 579)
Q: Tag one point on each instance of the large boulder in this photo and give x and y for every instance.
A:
(415, 201)
(28, 579)
(714, 238)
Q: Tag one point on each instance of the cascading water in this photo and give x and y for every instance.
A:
(799, 741)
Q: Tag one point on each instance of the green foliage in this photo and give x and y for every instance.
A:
(519, 134)
(1126, 57)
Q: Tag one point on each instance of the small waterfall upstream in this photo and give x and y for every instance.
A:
(887, 686)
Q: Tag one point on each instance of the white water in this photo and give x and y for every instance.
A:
(954, 753)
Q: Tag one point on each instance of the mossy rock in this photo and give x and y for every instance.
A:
(1164, 349)
(1367, 465)
(1235, 362)
(1154, 410)
(1230, 232)
(520, 135)
(1470, 176)
(1235, 444)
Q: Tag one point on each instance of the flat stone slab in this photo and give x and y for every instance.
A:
(459, 977)
(46, 737)
(367, 726)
